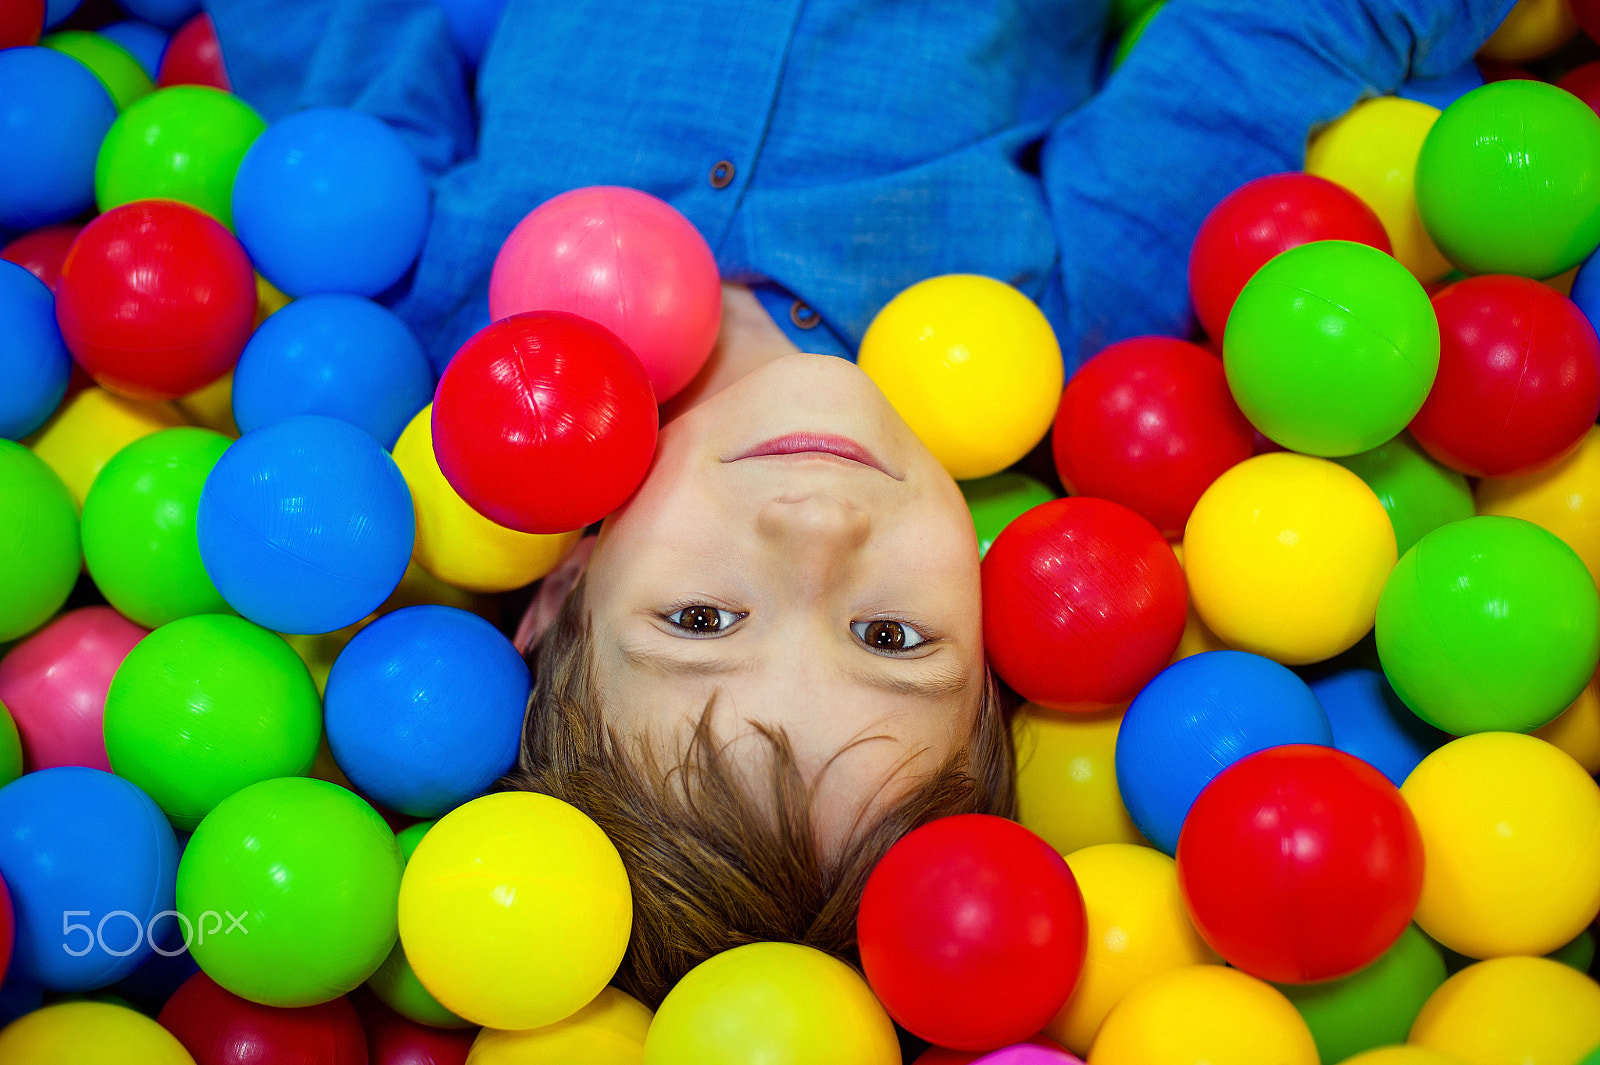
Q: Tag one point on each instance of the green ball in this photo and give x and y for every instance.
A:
(997, 500)
(1508, 180)
(395, 983)
(180, 143)
(207, 705)
(1579, 954)
(139, 527)
(1135, 29)
(1124, 12)
(1331, 348)
(1419, 493)
(113, 64)
(10, 748)
(40, 554)
(1373, 1007)
(311, 873)
(410, 836)
(1490, 624)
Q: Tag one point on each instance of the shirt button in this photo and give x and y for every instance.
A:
(721, 175)
(803, 316)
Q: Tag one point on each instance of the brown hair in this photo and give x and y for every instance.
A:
(708, 871)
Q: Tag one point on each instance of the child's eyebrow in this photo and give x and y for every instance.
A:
(930, 684)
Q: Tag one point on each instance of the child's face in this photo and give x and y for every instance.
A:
(799, 587)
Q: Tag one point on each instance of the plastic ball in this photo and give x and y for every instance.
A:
(222, 1028)
(1372, 151)
(396, 1040)
(33, 359)
(1067, 778)
(1257, 221)
(1286, 556)
(10, 769)
(1196, 718)
(544, 422)
(21, 22)
(194, 57)
(89, 861)
(973, 367)
(998, 500)
(331, 200)
(54, 683)
(168, 13)
(1197, 638)
(1204, 1013)
(205, 706)
(181, 143)
(1149, 423)
(771, 1001)
(1489, 624)
(1138, 927)
(1508, 180)
(143, 41)
(515, 910)
(611, 1030)
(155, 300)
(71, 1033)
(342, 356)
(626, 261)
(113, 64)
(1419, 493)
(1087, 582)
(1516, 355)
(42, 251)
(395, 983)
(39, 546)
(312, 873)
(56, 114)
(1577, 729)
(305, 525)
(1512, 1011)
(972, 932)
(945, 1056)
(1511, 826)
(1583, 81)
(1533, 29)
(1370, 722)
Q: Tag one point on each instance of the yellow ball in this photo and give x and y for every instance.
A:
(1512, 1011)
(93, 426)
(973, 367)
(1372, 151)
(1511, 839)
(211, 407)
(1203, 1013)
(515, 910)
(608, 1031)
(1067, 778)
(1564, 499)
(454, 542)
(1196, 637)
(1534, 28)
(1577, 730)
(1402, 1055)
(1138, 927)
(1286, 557)
(269, 300)
(773, 1003)
(89, 1033)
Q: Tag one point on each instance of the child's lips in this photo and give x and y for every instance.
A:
(816, 443)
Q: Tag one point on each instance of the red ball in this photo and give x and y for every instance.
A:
(21, 22)
(1083, 602)
(1149, 423)
(544, 422)
(156, 299)
(1519, 378)
(42, 251)
(193, 57)
(395, 1040)
(8, 929)
(1300, 864)
(972, 932)
(1588, 12)
(1258, 220)
(220, 1028)
(1584, 83)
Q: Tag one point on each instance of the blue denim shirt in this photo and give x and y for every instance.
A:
(866, 144)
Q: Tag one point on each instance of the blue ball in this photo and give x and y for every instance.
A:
(424, 708)
(1197, 717)
(1586, 289)
(34, 363)
(168, 13)
(53, 115)
(90, 861)
(305, 526)
(1446, 89)
(144, 42)
(1370, 722)
(56, 11)
(342, 356)
(331, 200)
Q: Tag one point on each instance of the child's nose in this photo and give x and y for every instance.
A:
(814, 525)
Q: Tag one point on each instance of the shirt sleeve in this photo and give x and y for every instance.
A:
(1216, 93)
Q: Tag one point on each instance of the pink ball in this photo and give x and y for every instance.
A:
(54, 683)
(624, 259)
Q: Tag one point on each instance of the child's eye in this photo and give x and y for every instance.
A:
(701, 618)
(887, 635)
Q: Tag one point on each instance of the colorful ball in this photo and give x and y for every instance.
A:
(42, 251)
(1577, 729)
(311, 872)
(1149, 423)
(1067, 778)
(305, 525)
(544, 422)
(205, 706)
(155, 300)
(331, 200)
(1489, 624)
(1419, 493)
(141, 40)
(57, 112)
(113, 64)
(396, 1040)
(70, 1033)
(611, 1030)
(194, 56)
(973, 367)
(1196, 718)
(1084, 581)
(1508, 180)
(39, 549)
(218, 1027)
(1533, 29)
(1370, 722)
(168, 13)
(1197, 638)
(972, 932)
(998, 500)
(1512, 1011)
(10, 769)
(91, 427)
(21, 22)
(395, 982)
(1204, 1013)
(628, 262)
(1563, 499)
(1286, 556)
(33, 358)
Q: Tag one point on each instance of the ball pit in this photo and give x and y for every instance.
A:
(143, 41)
(215, 1026)
(1577, 730)
(42, 251)
(194, 57)
(394, 1040)
(612, 1028)
(1418, 493)
(395, 982)
(1563, 499)
(1067, 778)
(33, 358)
(40, 551)
(72, 1032)
(1533, 29)
(57, 113)
(10, 769)
(90, 428)
(21, 22)
(114, 65)
(998, 500)
(1371, 722)
(1512, 1010)
(1204, 1013)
